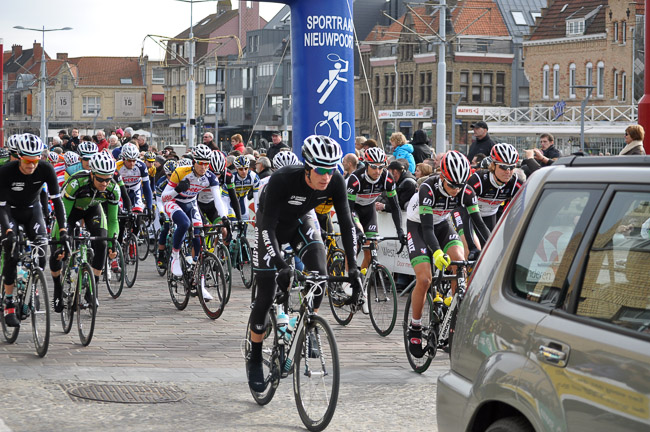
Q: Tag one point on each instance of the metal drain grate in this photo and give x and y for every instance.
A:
(127, 393)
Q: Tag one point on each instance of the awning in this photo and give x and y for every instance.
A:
(157, 97)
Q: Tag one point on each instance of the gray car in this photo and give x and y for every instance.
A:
(554, 331)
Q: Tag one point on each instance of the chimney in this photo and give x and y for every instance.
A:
(223, 6)
(61, 56)
(38, 50)
(16, 50)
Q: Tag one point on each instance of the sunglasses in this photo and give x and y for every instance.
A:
(626, 134)
(376, 166)
(202, 163)
(324, 171)
(454, 185)
(102, 179)
(30, 161)
(130, 160)
(506, 167)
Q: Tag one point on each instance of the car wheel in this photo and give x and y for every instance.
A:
(511, 424)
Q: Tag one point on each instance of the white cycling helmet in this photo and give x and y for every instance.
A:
(320, 151)
(12, 143)
(375, 156)
(202, 153)
(130, 151)
(504, 153)
(455, 167)
(217, 161)
(87, 149)
(185, 162)
(53, 157)
(30, 145)
(102, 163)
(285, 158)
(70, 158)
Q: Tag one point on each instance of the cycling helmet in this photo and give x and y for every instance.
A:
(201, 153)
(150, 156)
(30, 145)
(53, 157)
(375, 155)
(320, 151)
(170, 166)
(70, 158)
(4, 153)
(485, 163)
(185, 162)
(87, 149)
(130, 151)
(455, 168)
(102, 163)
(12, 143)
(285, 158)
(218, 161)
(242, 162)
(504, 153)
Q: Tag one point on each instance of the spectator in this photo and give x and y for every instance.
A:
(56, 142)
(113, 142)
(62, 133)
(102, 142)
(277, 145)
(75, 138)
(142, 143)
(263, 167)
(633, 141)
(405, 186)
(482, 142)
(478, 158)
(402, 150)
(350, 163)
(66, 143)
(120, 134)
(128, 135)
(423, 170)
(369, 143)
(548, 153)
(208, 139)
(421, 148)
(358, 142)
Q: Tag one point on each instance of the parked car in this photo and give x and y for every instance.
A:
(554, 332)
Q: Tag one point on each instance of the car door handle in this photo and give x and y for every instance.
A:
(553, 354)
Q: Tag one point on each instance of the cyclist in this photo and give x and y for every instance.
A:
(169, 167)
(21, 183)
(498, 184)
(227, 180)
(83, 196)
(72, 163)
(179, 199)
(283, 217)
(247, 183)
(430, 235)
(205, 199)
(281, 159)
(365, 186)
(12, 146)
(86, 151)
(59, 166)
(135, 177)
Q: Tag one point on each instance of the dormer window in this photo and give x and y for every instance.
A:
(126, 81)
(575, 27)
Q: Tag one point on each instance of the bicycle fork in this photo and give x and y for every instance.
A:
(446, 322)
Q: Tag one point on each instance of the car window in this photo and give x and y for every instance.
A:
(551, 234)
(616, 285)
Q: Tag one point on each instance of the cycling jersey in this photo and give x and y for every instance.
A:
(197, 184)
(490, 195)
(136, 181)
(226, 178)
(324, 208)
(247, 185)
(363, 192)
(59, 169)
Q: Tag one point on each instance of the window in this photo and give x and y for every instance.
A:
(550, 243)
(183, 105)
(236, 102)
(500, 88)
(615, 288)
(174, 76)
(575, 27)
(201, 74)
(589, 74)
(247, 78)
(464, 85)
(275, 103)
(406, 88)
(487, 88)
(600, 79)
(265, 69)
(545, 79)
(183, 76)
(157, 76)
(210, 76)
(535, 15)
(615, 31)
(174, 108)
(173, 53)
(616, 83)
(624, 32)
(210, 104)
(623, 86)
(91, 105)
(519, 18)
(572, 80)
(556, 81)
(377, 85)
(450, 86)
(126, 81)
(425, 86)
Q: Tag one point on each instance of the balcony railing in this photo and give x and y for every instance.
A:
(572, 114)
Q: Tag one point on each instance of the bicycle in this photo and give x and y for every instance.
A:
(162, 270)
(214, 244)
(30, 294)
(295, 291)
(308, 352)
(79, 291)
(241, 255)
(438, 318)
(206, 271)
(143, 231)
(114, 276)
(129, 249)
(378, 285)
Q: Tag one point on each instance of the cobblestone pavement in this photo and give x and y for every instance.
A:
(141, 339)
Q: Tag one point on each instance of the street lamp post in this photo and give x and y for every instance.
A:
(589, 89)
(151, 113)
(453, 118)
(43, 76)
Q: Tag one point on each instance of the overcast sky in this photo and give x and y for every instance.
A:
(103, 28)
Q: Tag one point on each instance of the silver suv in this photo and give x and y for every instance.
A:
(554, 332)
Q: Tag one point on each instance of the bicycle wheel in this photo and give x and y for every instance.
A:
(221, 251)
(335, 291)
(130, 252)
(212, 281)
(429, 334)
(152, 236)
(316, 374)
(10, 333)
(382, 301)
(177, 290)
(68, 280)
(39, 305)
(246, 262)
(114, 276)
(270, 360)
(143, 244)
(86, 304)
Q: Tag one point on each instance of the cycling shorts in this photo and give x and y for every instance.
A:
(419, 252)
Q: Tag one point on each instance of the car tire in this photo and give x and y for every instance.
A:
(510, 424)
